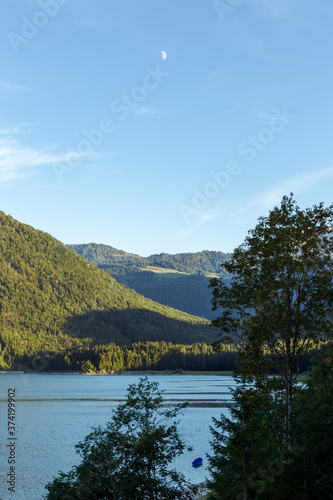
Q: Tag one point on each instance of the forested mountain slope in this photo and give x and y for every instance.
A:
(52, 299)
(180, 281)
(205, 263)
(189, 293)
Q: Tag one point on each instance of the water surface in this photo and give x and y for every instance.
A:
(55, 412)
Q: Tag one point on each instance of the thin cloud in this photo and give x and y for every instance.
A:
(22, 128)
(10, 131)
(264, 118)
(143, 110)
(297, 184)
(278, 9)
(13, 86)
(199, 221)
(16, 160)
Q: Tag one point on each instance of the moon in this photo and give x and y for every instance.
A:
(163, 55)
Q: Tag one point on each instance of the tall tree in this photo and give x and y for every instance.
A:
(246, 445)
(251, 459)
(280, 293)
(313, 428)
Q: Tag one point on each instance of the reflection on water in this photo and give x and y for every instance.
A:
(54, 412)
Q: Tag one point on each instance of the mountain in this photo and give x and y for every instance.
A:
(51, 299)
(179, 281)
(188, 293)
(104, 256)
(205, 263)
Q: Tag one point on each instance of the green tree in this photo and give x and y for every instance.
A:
(280, 293)
(87, 367)
(279, 304)
(129, 459)
(249, 450)
(251, 459)
(313, 429)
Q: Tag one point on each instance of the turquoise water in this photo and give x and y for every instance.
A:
(54, 412)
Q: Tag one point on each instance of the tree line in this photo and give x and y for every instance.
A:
(49, 295)
(119, 262)
(140, 356)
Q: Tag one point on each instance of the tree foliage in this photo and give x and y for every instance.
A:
(129, 459)
(52, 300)
(247, 445)
(313, 428)
(179, 281)
(279, 304)
(186, 292)
(279, 298)
(251, 458)
(140, 356)
(120, 262)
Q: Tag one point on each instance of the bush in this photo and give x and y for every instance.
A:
(130, 458)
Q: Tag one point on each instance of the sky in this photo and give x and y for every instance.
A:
(103, 140)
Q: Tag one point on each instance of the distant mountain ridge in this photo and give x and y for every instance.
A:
(179, 281)
(52, 300)
(205, 263)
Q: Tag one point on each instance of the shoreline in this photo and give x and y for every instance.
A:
(148, 372)
(201, 493)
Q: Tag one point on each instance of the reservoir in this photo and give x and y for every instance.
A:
(55, 412)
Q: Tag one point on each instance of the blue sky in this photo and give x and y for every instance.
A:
(101, 140)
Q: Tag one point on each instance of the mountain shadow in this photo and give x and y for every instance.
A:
(124, 327)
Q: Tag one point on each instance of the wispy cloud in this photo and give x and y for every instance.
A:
(264, 118)
(17, 160)
(10, 131)
(19, 129)
(143, 110)
(297, 184)
(279, 9)
(13, 86)
(199, 220)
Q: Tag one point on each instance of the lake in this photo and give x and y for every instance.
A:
(55, 412)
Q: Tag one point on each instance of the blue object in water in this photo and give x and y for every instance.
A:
(197, 462)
